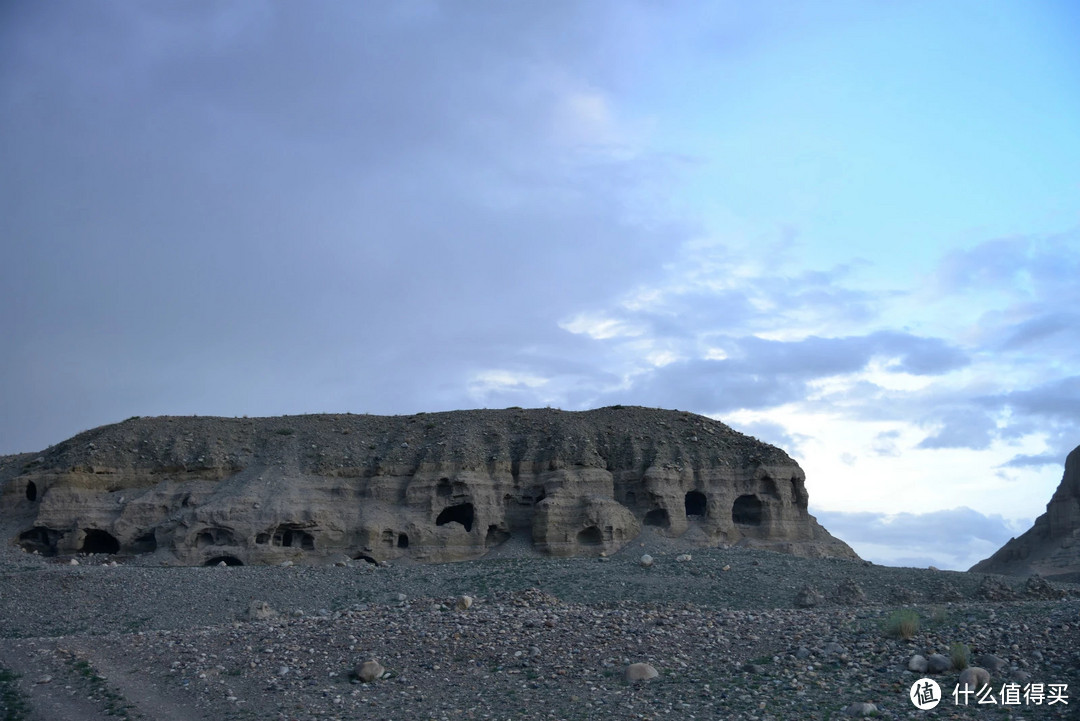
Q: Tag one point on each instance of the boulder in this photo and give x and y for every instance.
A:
(428, 487)
(973, 678)
(917, 663)
(938, 663)
(368, 671)
(640, 672)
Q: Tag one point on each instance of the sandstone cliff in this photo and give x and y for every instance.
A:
(1051, 548)
(429, 487)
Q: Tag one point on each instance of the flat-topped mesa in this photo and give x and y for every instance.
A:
(430, 487)
(1051, 547)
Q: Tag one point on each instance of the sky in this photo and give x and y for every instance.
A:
(850, 229)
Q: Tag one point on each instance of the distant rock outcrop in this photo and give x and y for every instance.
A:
(430, 487)
(1051, 548)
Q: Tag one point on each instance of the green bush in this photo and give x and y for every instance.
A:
(903, 623)
(284, 431)
(960, 654)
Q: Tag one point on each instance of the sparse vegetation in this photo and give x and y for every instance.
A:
(903, 623)
(960, 654)
(285, 431)
(12, 703)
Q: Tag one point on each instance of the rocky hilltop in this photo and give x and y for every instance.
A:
(1051, 548)
(427, 487)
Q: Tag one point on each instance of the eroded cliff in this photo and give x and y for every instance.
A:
(430, 487)
(1051, 547)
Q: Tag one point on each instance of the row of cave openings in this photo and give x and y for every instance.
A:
(44, 540)
(745, 511)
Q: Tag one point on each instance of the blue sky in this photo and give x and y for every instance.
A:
(850, 229)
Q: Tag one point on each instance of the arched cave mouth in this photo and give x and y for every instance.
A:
(31, 491)
(496, 536)
(590, 536)
(287, 536)
(227, 560)
(98, 541)
(40, 539)
(696, 504)
(215, 537)
(657, 517)
(403, 540)
(462, 513)
(365, 557)
(146, 543)
(746, 511)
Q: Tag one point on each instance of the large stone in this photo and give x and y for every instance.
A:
(640, 672)
(430, 487)
(973, 678)
(1051, 547)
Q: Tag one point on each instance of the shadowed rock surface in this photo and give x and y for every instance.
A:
(426, 487)
(1051, 548)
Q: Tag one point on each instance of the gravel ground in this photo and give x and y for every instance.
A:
(544, 638)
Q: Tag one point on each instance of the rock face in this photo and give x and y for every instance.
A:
(429, 487)
(1051, 548)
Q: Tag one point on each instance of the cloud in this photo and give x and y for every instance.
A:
(953, 539)
(962, 428)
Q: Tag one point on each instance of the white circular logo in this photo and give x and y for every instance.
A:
(925, 694)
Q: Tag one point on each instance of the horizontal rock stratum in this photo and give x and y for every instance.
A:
(429, 487)
(1051, 547)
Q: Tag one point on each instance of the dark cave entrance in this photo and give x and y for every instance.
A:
(31, 491)
(657, 517)
(365, 557)
(98, 541)
(746, 511)
(462, 513)
(696, 504)
(590, 536)
(290, 537)
(496, 536)
(40, 539)
(227, 560)
(146, 543)
(403, 540)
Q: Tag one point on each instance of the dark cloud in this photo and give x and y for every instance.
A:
(259, 208)
(953, 539)
(760, 373)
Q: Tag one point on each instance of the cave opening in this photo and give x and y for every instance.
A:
(746, 511)
(365, 557)
(495, 536)
(657, 517)
(31, 491)
(40, 539)
(227, 560)
(403, 540)
(462, 513)
(696, 504)
(98, 541)
(293, 538)
(590, 536)
(146, 543)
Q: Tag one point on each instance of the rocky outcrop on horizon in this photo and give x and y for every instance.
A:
(1051, 547)
(428, 487)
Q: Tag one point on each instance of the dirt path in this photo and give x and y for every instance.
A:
(69, 679)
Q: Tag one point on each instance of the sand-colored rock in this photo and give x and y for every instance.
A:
(1051, 547)
(428, 487)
